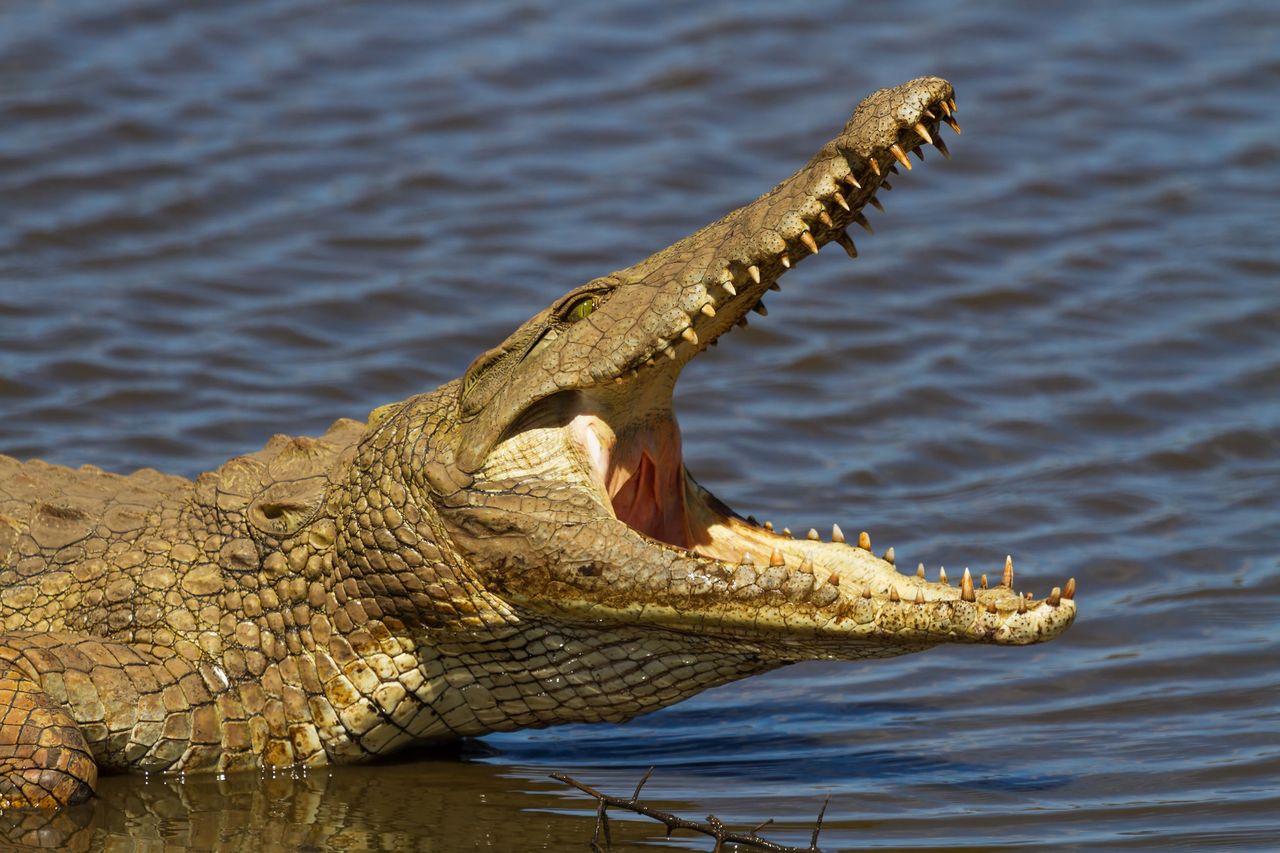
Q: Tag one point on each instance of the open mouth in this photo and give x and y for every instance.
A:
(638, 472)
(608, 428)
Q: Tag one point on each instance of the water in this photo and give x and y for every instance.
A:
(222, 221)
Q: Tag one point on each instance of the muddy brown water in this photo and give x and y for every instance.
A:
(223, 221)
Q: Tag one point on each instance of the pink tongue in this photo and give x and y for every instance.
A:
(646, 484)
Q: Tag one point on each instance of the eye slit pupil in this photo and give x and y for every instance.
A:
(581, 309)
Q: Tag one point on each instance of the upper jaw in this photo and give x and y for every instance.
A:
(707, 283)
(658, 314)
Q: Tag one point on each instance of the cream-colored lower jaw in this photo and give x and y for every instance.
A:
(850, 570)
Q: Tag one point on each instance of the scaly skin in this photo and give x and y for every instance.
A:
(520, 547)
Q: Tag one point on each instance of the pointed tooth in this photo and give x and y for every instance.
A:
(889, 556)
(893, 594)
(754, 272)
(825, 219)
(813, 534)
(768, 525)
(952, 103)
(983, 581)
(886, 186)
(649, 362)
(901, 156)
(786, 531)
(919, 596)
(776, 558)
(1007, 580)
(991, 608)
(920, 570)
(942, 575)
(670, 352)
(1055, 597)
(742, 322)
(1022, 605)
(760, 309)
(923, 132)
(875, 202)
(866, 592)
(966, 586)
(1069, 591)
(747, 559)
(945, 107)
(893, 170)
(953, 124)
(846, 243)
(729, 288)
(708, 310)
(919, 152)
(930, 114)
(833, 579)
(840, 200)
(875, 167)
(810, 243)
(942, 148)
(773, 285)
(785, 261)
(837, 535)
(690, 335)
(862, 220)
(853, 181)
(806, 565)
(864, 541)
(751, 519)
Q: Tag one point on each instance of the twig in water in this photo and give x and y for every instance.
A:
(712, 827)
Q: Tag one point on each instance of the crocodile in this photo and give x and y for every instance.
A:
(520, 547)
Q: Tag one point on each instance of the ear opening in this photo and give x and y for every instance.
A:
(285, 508)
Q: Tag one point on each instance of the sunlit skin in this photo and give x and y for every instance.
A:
(520, 547)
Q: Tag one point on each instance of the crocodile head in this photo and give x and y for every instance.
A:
(566, 495)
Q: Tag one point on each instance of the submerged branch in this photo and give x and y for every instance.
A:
(713, 827)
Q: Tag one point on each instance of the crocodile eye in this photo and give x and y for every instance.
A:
(581, 309)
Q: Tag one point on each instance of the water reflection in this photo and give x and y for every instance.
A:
(423, 806)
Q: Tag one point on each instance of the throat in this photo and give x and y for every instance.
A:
(642, 473)
(649, 496)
